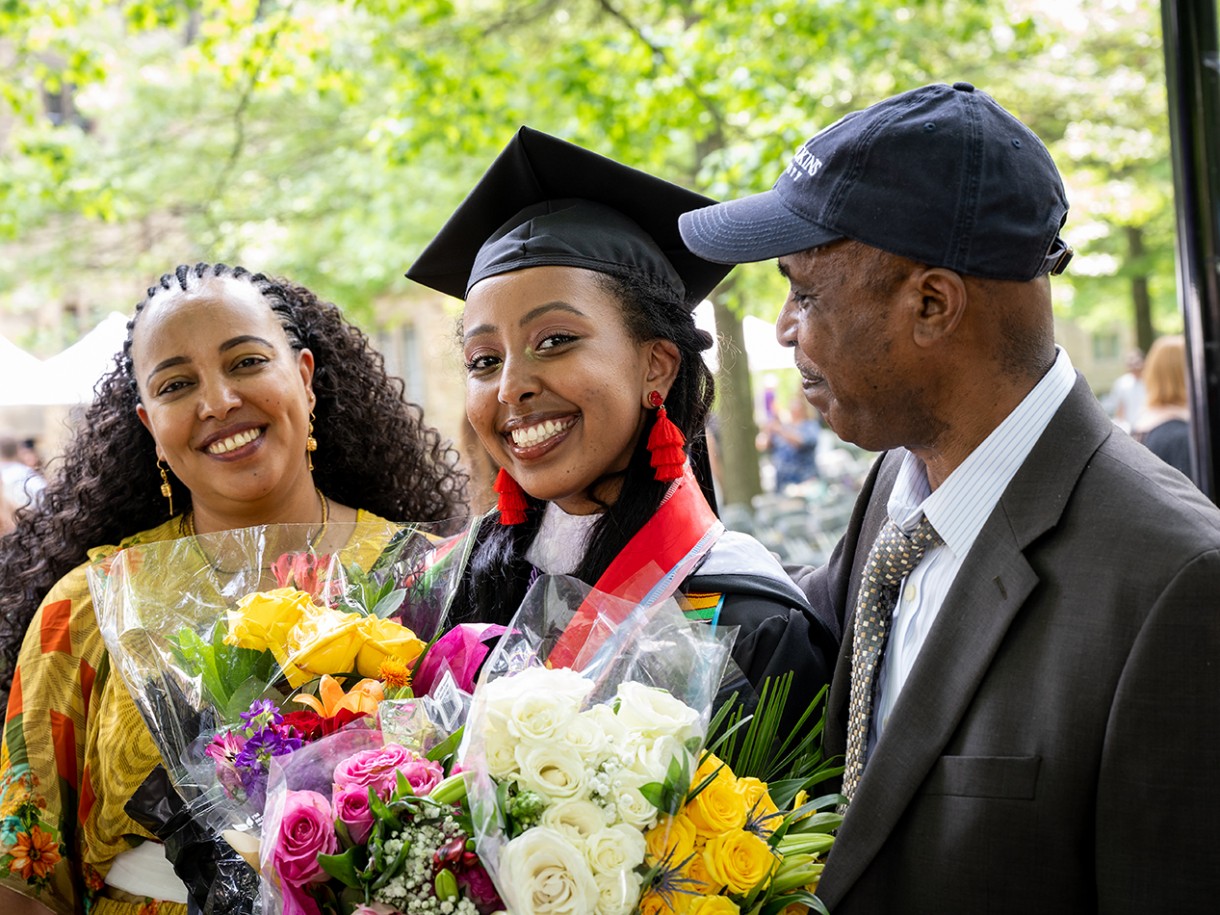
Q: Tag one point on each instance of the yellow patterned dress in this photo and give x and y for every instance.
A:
(74, 751)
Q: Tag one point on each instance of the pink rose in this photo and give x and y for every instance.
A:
(422, 774)
(375, 908)
(352, 809)
(372, 768)
(306, 831)
(378, 769)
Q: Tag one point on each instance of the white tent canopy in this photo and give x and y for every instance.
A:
(66, 378)
(21, 374)
(73, 373)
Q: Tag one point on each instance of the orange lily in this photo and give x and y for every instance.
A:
(361, 699)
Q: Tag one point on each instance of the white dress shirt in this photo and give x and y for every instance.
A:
(561, 541)
(958, 510)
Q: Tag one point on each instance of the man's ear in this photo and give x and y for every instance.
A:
(940, 306)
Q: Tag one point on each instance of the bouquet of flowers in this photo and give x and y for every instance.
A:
(591, 789)
(355, 825)
(739, 843)
(237, 647)
(570, 769)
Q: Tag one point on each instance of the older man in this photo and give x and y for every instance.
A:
(1028, 693)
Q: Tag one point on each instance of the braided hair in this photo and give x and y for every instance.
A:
(374, 451)
(498, 574)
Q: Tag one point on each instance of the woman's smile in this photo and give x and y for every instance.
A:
(533, 439)
(235, 444)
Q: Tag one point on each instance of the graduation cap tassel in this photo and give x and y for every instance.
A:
(665, 443)
(512, 502)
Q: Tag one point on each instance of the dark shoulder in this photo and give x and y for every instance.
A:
(741, 568)
(1126, 484)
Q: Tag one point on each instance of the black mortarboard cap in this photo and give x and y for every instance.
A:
(547, 202)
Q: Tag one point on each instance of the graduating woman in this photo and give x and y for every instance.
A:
(238, 400)
(586, 385)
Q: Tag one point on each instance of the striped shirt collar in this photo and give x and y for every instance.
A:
(960, 506)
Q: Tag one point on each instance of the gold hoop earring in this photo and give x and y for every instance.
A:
(167, 491)
(311, 443)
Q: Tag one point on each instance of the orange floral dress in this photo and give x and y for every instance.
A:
(75, 748)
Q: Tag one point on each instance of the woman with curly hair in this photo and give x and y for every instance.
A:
(237, 400)
(584, 379)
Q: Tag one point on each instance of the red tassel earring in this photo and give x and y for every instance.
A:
(665, 443)
(512, 498)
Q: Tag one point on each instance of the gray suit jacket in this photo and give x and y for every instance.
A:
(1056, 747)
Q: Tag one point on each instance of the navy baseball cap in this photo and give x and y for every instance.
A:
(547, 202)
(942, 175)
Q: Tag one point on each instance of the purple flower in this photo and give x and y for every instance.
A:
(254, 761)
(262, 713)
(264, 744)
(254, 784)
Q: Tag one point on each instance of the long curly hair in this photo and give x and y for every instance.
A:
(498, 574)
(374, 451)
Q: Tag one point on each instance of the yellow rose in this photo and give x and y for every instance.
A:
(325, 642)
(672, 840)
(696, 871)
(760, 808)
(385, 639)
(712, 763)
(263, 620)
(719, 807)
(714, 905)
(653, 903)
(740, 860)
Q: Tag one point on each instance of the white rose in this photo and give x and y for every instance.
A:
(650, 759)
(631, 806)
(615, 849)
(540, 717)
(617, 893)
(654, 712)
(543, 873)
(553, 770)
(607, 722)
(576, 817)
(562, 689)
(500, 748)
(586, 736)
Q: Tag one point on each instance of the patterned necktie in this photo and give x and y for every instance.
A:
(894, 554)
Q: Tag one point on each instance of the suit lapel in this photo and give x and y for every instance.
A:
(986, 596)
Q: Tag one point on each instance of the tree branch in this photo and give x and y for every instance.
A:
(239, 118)
(659, 53)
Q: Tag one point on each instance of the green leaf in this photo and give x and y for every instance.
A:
(654, 793)
(803, 897)
(342, 867)
(446, 747)
(395, 867)
(389, 603)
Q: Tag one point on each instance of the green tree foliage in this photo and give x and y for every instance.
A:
(329, 140)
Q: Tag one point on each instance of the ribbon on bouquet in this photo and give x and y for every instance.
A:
(649, 569)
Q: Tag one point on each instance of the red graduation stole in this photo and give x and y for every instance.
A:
(649, 569)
